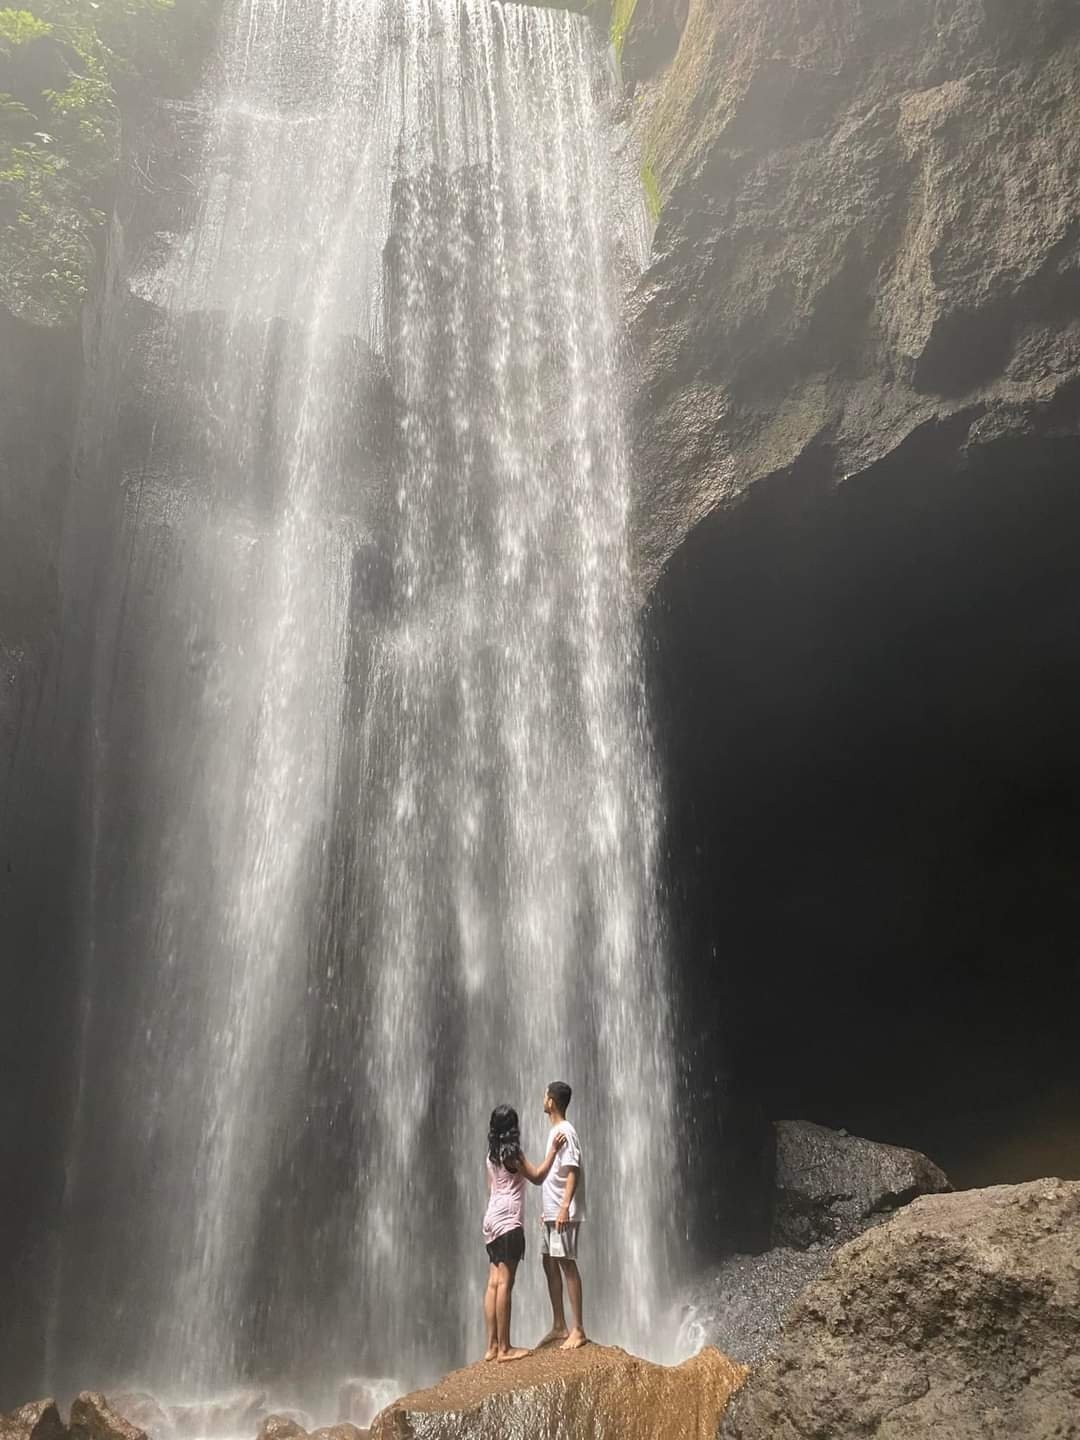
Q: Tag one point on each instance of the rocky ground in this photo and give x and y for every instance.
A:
(912, 1313)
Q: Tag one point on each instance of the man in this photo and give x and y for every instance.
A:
(563, 1198)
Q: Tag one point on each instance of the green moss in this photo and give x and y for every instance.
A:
(64, 66)
(622, 12)
(653, 199)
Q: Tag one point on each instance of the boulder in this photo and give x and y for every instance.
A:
(343, 1430)
(830, 1186)
(603, 1393)
(38, 1420)
(957, 1317)
(144, 1411)
(279, 1426)
(93, 1418)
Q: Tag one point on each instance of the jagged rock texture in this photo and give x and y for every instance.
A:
(869, 229)
(831, 1186)
(958, 1317)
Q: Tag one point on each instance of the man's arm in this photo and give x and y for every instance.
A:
(563, 1217)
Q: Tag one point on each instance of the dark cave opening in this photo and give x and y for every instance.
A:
(868, 703)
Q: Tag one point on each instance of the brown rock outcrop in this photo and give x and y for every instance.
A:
(869, 232)
(280, 1427)
(93, 1418)
(38, 1420)
(600, 1392)
(958, 1317)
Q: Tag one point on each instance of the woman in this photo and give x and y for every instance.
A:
(504, 1223)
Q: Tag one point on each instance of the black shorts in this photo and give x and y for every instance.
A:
(508, 1249)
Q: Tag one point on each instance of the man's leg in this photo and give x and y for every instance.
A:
(553, 1276)
(503, 1296)
(489, 1313)
(576, 1338)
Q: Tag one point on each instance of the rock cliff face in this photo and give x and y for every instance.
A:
(868, 231)
(857, 434)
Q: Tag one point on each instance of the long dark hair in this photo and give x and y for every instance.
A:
(504, 1137)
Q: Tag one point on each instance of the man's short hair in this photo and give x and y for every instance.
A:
(560, 1092)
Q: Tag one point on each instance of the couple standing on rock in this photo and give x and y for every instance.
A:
(562, 1176)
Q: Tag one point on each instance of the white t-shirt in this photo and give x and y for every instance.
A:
(554, 1187)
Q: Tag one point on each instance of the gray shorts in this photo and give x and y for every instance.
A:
(560, 1244)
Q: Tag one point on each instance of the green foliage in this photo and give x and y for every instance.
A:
(18, 26)
(65, 66)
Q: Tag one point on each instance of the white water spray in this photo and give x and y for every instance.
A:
(375, 802)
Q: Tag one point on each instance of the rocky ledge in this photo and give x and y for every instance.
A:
(599, 1392)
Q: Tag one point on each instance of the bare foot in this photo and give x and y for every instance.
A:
(491, 1353)
(505, 1355)
(555, 1336)
(575, 1340)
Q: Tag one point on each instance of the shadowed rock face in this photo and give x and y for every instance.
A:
(869, 227)
(957, 1317)
(600, 1392)
(830, 1186)
(40, 372)
(40, 378)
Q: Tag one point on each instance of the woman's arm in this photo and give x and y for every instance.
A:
(537, 1174)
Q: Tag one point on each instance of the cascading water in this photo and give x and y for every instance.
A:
(375, 823)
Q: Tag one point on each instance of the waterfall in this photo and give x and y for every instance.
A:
(374, 818)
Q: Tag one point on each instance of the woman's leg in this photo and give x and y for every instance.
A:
(490, 1295)
(503, 1310)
